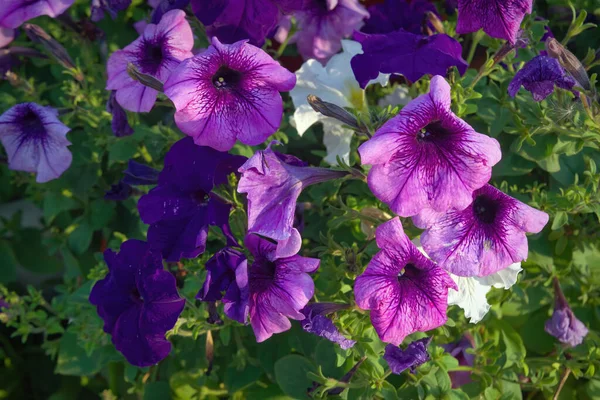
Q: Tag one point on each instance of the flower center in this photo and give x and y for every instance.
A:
(33, 127)
(200, 197)
(261, 274)
(151, 56)
(485, 209)
(357, 97)
(226, 78)
(135, 296)
(433, 131)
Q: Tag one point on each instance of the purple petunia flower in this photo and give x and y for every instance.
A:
(322, 24)
(7, 35)
(498, 18)
(393, 15)
(156, 53)
(414, 355)
(165, 6)
(273, 182)
(458, 350)
(564, 325)
(227, 280)
(35, 141)
(483, 238)
(316, 322)
(120, 125)
(427, 157)
(279, 286)
(229, 92)
(405, 53)
(112, 7)
(13, 13)
(118, 192)
(138, 174)
(405, 291)
(138, 302)
(539, 76)
(181, 207)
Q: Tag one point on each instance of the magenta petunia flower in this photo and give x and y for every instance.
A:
(322, 24)
(157, 52)
(279, 287)
(485, 237)
(405, 291)
(35, 141)
(273, 182)
(498, 18)
(316, 322)
(14, 12)
(539, 76)
(393, 15)
(427, 157)
(229, 92)
(138, 302)
(564, 325)
(414, 355)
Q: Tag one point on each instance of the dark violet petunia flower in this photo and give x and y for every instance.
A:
(486, 237)
(138, 302)
(279, 286)
(118, 192)
(405, 53)
(235, 20)
(181, 207)
(13, 13)
(120, 126)
(322, 24)
(157, 52)
(138, 174)
(458, 350)
(273, 182)
(498, 18)
(227, 280)
(414, 355)
(35, 141)
(539, 76)
(316, 322)
(427, 157)
(393, 15)
(112, 7)
(165, 6)
(405, 291)
(229, 92)
(564, 325)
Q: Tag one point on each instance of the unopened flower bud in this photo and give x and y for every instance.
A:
(569, 62)
(435, 22)
(146, 80)
(333, 111)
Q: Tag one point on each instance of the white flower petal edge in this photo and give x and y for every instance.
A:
(504, 278)
(399, 97)
(337, 141)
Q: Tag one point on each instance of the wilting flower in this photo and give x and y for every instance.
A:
(7, 35)
(157, 52)
(458, 350)
(229, 92)
(35, 141)
(498, 18)
(483, 238)
(112, 7)
(564, 325)
(427, 157)
(14, 12)
(181, 207)
(393, 15)
(120, 126)
(273, 182)
(227, 280)
(118, 192)
(235, 20)
(138, 302)
(414, 355)
(404, 290)
(322, 24)
(335, 84)
(280, 286)
(316, 322)
(405, 53)
(539, 76)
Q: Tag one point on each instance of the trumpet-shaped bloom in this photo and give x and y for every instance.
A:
(14, 12)
(498, 18)
(229, 92)
(414, 355)
(35, 141)
(120, 125)
(157, 52)
(427, 157)
(539, 76)
(404, 290)
(181, 207)
(564, 325)
(316, 322)
(393, 15)
(138, 302)
(484, 238)
(273, 182)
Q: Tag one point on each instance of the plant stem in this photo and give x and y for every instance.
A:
(476, 39)
(563, 380)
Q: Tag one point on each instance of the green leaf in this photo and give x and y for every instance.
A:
(514, 349)
(560, 219)
(55, 203)
(121, 151)
(73, 359)
(291, 375)
(80, 239)
(8, 263)
(102, 211)
(32, 254)
(157, 391)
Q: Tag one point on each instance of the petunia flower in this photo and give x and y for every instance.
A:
(136, 174)
(427, 157)
(112, 7)
(405, 291)
(539, 76)
(120, 125)
(7, 35)
(458, 350)
(165, 6)
(392, 15)
(118, 192)
(405, 53)
(35, 141)
(157, 52)
(335, 84)
(498, 18)
(322, 24)
(564, 325)
(273, 182)
(229, 92)
(484, 238)
(414, 355)
(13, 13)
(138, 302)
(316, 322)
(181, 207)
(279, 287)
